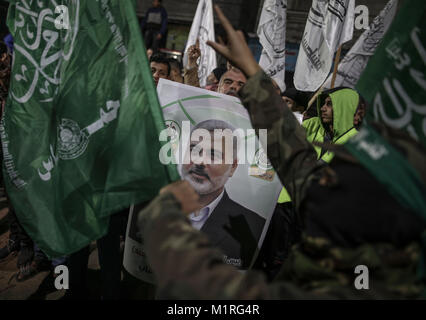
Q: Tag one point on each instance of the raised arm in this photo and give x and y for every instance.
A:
(190, 75)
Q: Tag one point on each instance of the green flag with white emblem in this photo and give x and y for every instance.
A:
(81, 125)
(395, 87)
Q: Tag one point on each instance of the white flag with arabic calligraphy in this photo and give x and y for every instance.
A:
(330, 24)
(355, 61)
(203, 29)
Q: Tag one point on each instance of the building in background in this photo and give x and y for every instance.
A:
(242, 13)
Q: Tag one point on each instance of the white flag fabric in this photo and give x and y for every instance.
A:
(203, 29)
(330, 24)
(355, 61)
(271, 32)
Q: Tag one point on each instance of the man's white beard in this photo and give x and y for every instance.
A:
(208, 186)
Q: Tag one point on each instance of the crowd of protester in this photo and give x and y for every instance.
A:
(309, 239)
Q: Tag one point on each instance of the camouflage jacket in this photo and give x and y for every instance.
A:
(188, 267)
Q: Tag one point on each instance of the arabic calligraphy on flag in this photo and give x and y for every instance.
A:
(272, 36)
(330, 24)
(82, 104)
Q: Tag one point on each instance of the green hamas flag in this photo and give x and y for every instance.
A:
(394, 84)
(80, 129)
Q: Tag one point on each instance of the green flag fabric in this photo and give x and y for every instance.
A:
(390, 168)
(81, 125)
(394, 85)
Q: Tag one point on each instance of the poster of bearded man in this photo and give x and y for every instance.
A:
(210, 138)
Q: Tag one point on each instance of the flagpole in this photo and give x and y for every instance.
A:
(333, 79)
(336, 64)
(314, 97)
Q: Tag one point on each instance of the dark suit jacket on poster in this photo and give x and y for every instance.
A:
(235, 230)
